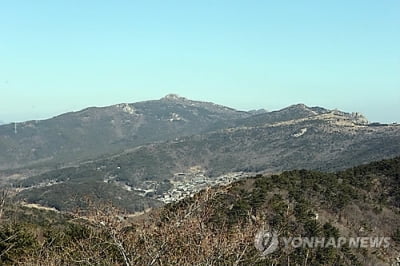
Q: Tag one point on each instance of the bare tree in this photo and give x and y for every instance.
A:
(3, 197)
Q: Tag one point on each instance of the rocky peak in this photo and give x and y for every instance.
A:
(174, 97)
(355, 117)
(299, 108)
(359, 118)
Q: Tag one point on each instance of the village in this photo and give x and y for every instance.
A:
(186, 184)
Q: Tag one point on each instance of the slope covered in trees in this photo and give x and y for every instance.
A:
(218, 225)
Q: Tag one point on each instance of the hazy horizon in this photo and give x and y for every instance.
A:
(65, 56)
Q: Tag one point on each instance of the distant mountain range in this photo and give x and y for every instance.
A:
(93, 132)
(75, 136)
(115, 153)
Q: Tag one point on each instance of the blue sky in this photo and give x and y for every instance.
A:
(58, 56)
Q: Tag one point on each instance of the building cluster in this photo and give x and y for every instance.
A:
(188, 184)
(184, 184)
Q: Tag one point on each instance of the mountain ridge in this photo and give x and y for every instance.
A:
(141, 149)
(327, 142)
(96, 131)
(76, 134)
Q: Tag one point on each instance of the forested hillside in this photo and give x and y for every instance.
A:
(218, 225)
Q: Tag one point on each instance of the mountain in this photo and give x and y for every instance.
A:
(297, 137)
(293, 112)
(73, 137)
(227, 225)
(92, 132)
